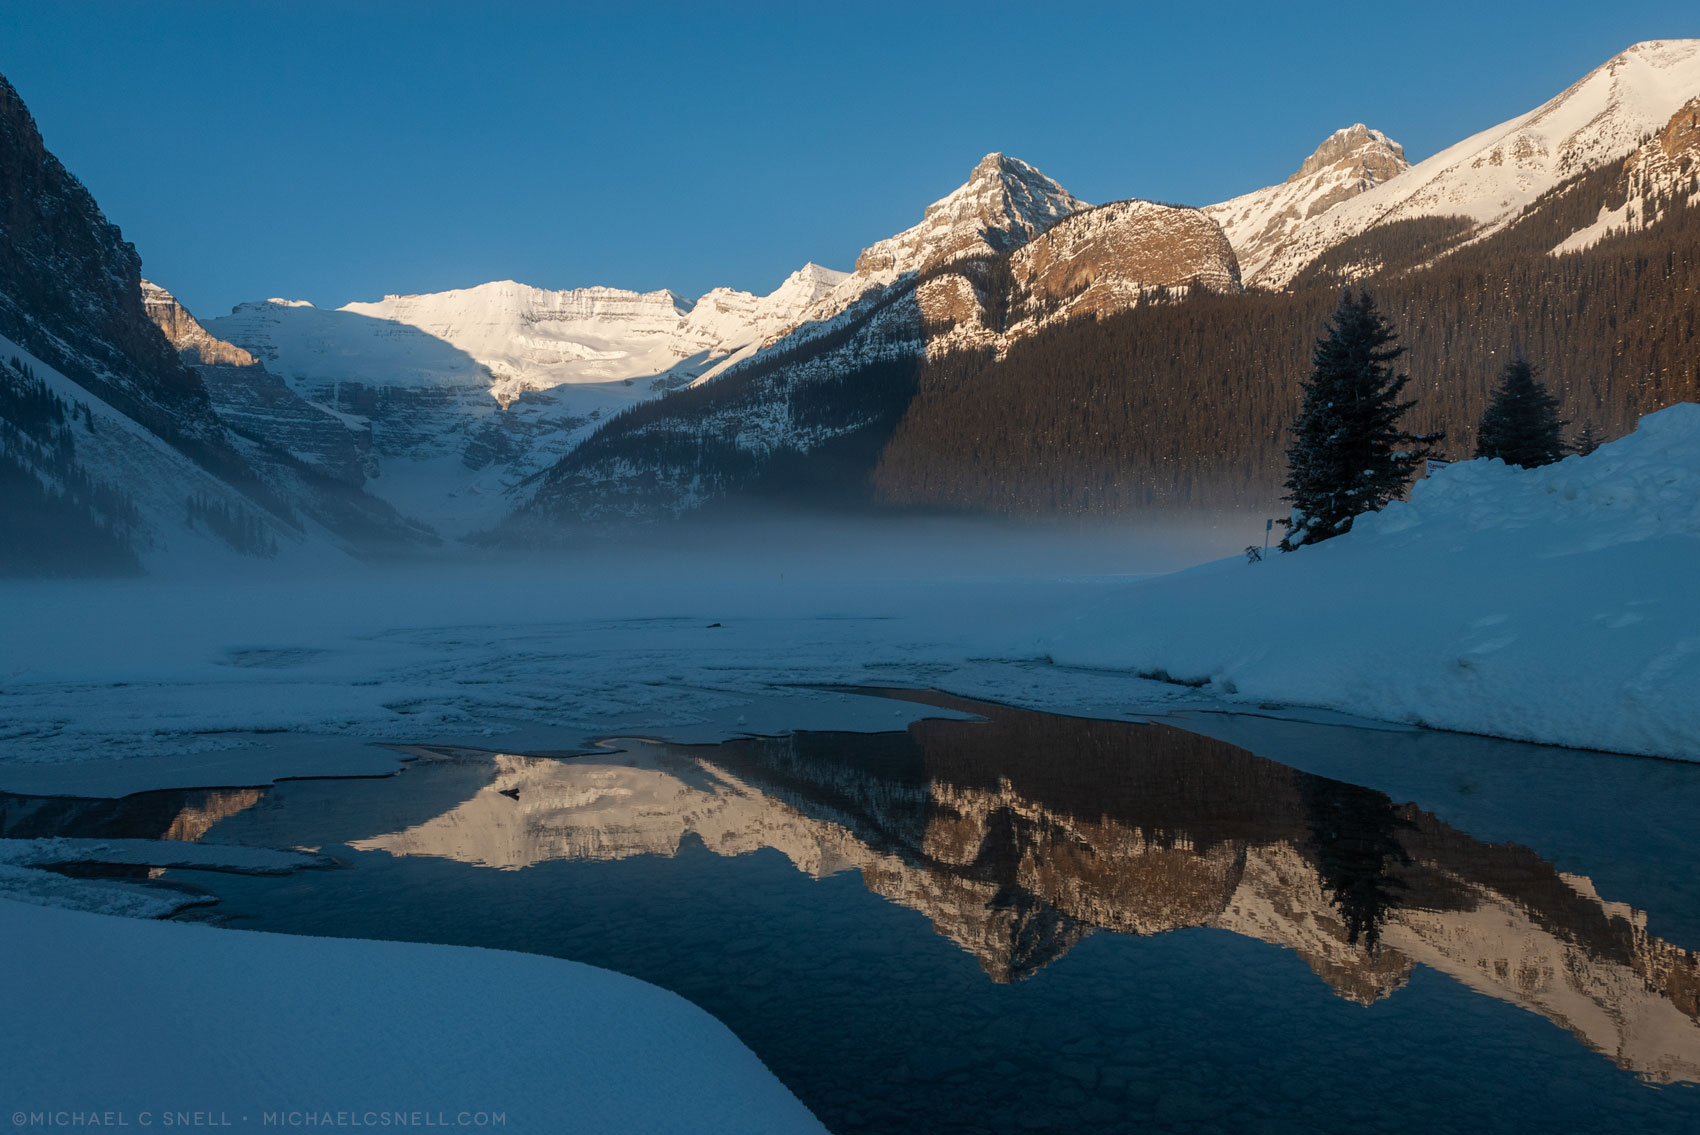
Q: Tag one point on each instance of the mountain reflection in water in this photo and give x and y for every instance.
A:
(1019, 835)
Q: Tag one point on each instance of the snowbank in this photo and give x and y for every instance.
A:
(1558, 605)
(167, 1024)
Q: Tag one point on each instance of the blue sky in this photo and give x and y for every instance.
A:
(338, 151)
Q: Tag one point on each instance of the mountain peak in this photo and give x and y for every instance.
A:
(1001, 170)
(1372, 155)
(1004, 204)
(996, 164)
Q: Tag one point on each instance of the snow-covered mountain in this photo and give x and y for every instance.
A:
(257, 404)
(1489, 178)
(514, 338)
(459, 407)
(1004, 204)
(467, 393)
(1004, 256)
(1349, 162)
(112, 451)
(1663, 170)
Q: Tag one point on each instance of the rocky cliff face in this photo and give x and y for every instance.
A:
(148, 444)
(1095, 262)
(1348, 163)
(1673, 151)
(70, 293)
(1661, 172)
(183, 331)
(259, 405)
(141, 437)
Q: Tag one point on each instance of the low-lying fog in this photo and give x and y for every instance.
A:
(651, 627)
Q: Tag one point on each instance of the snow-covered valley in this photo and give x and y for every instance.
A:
(430, 641)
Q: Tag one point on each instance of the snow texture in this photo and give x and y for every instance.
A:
(1491, 177)
(1348, 163)
(235, 1026)
(1554, 605)
(158, 478)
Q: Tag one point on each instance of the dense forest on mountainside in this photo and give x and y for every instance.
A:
(1186, 404)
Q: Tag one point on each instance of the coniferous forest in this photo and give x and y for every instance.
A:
(1187, 403)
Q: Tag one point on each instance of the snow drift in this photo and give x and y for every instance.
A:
(1556, 605)
(173, 1025)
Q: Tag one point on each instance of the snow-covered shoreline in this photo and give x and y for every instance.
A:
(132, 1022)
(1556, 605)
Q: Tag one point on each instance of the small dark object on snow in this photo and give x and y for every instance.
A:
(711, 626)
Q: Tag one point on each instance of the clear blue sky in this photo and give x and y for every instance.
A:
(338, 151)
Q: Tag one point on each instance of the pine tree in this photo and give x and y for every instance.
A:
(1348, 455)
(1521, 424)
(1587, 441)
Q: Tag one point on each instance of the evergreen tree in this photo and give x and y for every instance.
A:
(1587, 441)
(1348, 455)
(1521, 425)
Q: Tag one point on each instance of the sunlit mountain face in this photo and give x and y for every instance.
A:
(1020, 835)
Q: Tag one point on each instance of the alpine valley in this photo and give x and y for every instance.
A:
(1017, 351)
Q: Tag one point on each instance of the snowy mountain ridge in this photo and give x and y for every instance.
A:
(465, 394)
(1096, 261)
(831, 376)
(524, 337)
(1490, 177)
(1349, 162)
(1004, 204)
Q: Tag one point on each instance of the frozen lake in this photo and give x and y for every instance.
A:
(1031, 921)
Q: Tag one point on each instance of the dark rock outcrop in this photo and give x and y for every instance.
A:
(70, 292)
